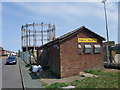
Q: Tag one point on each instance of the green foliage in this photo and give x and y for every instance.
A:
(75, 83)
(57, 85)
(96, 72)
(5, 55)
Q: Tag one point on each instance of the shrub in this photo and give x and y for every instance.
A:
(5, 55)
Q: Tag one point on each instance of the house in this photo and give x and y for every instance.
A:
(73, 52)
(1, 51)
(6, 52)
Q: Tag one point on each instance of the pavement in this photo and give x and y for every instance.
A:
(29, 80)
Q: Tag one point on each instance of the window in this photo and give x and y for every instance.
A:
(96, 48)
(87, 48)
(79, 49)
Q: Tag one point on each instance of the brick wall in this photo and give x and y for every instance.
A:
(54, 59)
(72, 62)
(43, 57)
(50, 56)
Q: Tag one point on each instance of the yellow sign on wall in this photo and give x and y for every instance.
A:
(87, 40)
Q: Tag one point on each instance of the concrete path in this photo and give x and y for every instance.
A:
(29, 80)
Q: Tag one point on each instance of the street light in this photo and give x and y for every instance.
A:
(103, 1)
(107, 47)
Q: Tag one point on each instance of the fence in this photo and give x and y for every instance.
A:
(29, 57)
(114, 56)
(26, 57)
(115, 53)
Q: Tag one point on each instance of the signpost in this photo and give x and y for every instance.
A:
(87, 40)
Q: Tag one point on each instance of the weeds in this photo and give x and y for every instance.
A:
(57, 85)
(43, 83)
(96, 72)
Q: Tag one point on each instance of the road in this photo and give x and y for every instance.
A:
(11, 77)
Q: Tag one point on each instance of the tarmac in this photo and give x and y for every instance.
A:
(29, 80)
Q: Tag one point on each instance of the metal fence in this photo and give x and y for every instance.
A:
(26, 57)
(29, 57)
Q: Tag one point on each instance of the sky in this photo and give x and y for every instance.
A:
(66, 16)
(118, 23)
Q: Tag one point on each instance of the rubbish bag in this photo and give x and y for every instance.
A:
(39, 68)
(35, 68)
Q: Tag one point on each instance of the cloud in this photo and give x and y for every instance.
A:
(68, 10)
(75, 11)
(57, 0)
(72, 10)
(0, 24)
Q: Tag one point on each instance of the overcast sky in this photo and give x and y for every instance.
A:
(66, 16)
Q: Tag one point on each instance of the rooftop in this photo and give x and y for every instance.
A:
(69, 34)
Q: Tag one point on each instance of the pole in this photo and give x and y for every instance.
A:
(22, 37)
(26, 37)
(34, 35)
(42, 32)
(29, 39)
(107, 46)
(106, 22)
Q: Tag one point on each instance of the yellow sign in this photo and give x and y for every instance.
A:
(87, 40)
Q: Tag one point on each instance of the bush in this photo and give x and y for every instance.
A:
(5, 55)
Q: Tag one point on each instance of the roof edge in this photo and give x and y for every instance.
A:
(73, 33)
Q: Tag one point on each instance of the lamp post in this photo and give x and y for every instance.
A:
(107, 46)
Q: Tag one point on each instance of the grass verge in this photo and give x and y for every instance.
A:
(57, 85)
(105, 80)
(43, 83)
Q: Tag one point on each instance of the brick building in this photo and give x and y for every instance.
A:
(73, 52)
(2, 51)
(6, 52)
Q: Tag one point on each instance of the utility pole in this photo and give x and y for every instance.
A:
(107, 46)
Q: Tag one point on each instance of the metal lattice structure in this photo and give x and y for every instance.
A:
(35, 35)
